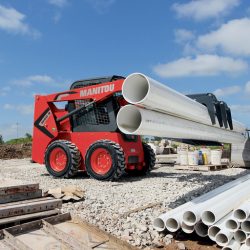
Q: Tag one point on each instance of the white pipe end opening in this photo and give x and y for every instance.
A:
(240, 236)
(240, 215)
(222, 239)
(129, 119)
(245, 226)
(201, 229)
(208, 218)
(232, 225)
(159, 225)
(189, 218)
(247, 242)
(232, 245)
(213, 231)
(135, 88)
(172, 225)
(187, 229)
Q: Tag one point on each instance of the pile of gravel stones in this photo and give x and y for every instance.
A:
(120, 207)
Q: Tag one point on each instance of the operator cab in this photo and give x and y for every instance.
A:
(99, 116)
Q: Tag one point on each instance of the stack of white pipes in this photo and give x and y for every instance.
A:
(222, 214)
(158, 110)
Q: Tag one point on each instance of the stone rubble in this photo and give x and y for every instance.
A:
(107, 203)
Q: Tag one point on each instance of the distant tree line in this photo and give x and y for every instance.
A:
(27, 138)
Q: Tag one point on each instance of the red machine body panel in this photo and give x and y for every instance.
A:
(47, 127)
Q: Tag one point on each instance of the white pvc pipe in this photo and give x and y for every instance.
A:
(232, 225)
(245, 226)
(215, 229)
(192, 216)
(232, 245)
(247, 242)
(134, 120)
(159, 222)
(187, 229)
(216, 208)
(242, 212)
(201, 229)
(244, 247)
(174, 222)
(240, 236)
(142, 90)
(223, 237)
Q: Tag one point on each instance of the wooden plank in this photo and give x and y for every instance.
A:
(37, 224)
(63, 237)
(20, 196)
(26, 201)
(21, 218)
(142, 208)
(205, 168)
(6, 188)
(28, 208)
(9, 238)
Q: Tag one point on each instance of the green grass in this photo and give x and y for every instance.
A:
(19, 141)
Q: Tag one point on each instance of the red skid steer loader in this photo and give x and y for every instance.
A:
(76, 130)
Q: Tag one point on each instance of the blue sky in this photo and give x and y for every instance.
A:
(192, 46)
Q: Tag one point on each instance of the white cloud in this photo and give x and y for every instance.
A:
(247, 88)
(4, 91)
(33, 79)
(101, 6)
(183, 35)
(232, 37)
(24, 109)
(204, 9)
(240, 108)
(58, 3)
(201, 65)
(13, 21)
(227, 91)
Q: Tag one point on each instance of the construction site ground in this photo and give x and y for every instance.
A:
(127, 208)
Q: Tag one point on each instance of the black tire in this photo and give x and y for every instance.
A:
(149, 157)
(117, 165)
(73, 159)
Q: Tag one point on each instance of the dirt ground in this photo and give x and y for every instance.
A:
(16, 151)
(127, 194)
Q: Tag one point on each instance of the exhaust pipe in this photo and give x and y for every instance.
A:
(134, 120)
(144, 91)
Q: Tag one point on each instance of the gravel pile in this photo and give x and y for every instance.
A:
(120, 207)
(19, 151)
